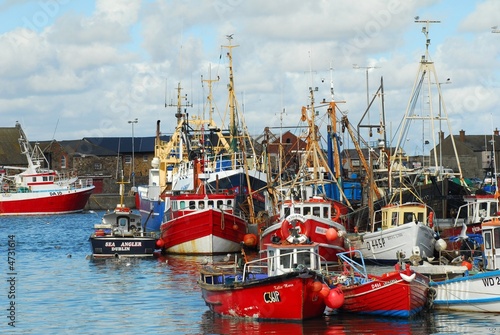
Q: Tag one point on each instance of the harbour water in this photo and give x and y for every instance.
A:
(50, 286)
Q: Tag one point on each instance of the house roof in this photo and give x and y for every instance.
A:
(124, 144)
(477, 142)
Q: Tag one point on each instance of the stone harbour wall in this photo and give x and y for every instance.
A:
(98, 202)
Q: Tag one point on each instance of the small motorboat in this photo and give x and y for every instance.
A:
(399, 293)
(288, 284)
(120, 233)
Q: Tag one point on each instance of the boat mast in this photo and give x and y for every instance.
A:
(233, 129)
(426, 74)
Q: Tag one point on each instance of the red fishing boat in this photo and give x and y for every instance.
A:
(36, 190)
(316, 218)
(285, 285)
(398, 293)
(203, 222)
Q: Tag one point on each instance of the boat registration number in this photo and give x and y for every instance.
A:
(490, 281)
(375, 243)
(270, 297)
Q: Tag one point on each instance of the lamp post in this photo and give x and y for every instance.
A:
(132, 122)
(356, 66)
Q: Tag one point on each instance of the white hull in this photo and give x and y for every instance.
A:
(476, 293)
(385, 245)
(206, 245)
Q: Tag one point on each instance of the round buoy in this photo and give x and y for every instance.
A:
(160, 243)
(440, 245)
(99, 232)
(325, 290)
(250, 240)
(331, 234)
(335, 298)
(467, 264)
(235, 226)
(316, 286)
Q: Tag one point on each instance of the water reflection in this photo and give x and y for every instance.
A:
(334, 324)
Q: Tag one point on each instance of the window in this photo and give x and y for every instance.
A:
(128, 159)
(145, 158)
(97, 166)
(63, 162)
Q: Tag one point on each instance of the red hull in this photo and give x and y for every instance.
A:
(42, 203)
(278, 298)
(389, 295)
(206, 231)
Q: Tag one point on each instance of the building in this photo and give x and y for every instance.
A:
(475, 153)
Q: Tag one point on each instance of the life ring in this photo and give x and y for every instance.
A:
(293, 221)
(430, 219)
(337, 210)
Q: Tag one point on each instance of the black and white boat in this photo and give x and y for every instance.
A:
(121, 234)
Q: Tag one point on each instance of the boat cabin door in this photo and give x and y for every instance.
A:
(491, 237)
(123, 223)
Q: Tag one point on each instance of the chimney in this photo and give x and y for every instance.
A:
(495, 132)
(462, 135)
(441, 136)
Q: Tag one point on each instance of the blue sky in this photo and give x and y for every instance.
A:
(70, 69)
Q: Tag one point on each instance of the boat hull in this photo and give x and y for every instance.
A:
(45, 202)
(115, 247)
(151, 209)
(203, 232)
(286, 297)
(389, 295)
(385, 245)
(474, 293)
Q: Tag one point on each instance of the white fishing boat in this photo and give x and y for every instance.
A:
(36, 189)
(478, 290)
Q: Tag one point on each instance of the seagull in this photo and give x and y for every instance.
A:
(230, 37)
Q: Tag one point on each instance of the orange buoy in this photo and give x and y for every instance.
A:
(467, 264)
(235, 226)
(160, 243)
(250, 240)
(325, 290)
(331, 234)
(316, 286)
(335, 298)
(99, 232)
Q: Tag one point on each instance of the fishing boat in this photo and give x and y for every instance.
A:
(397, 231)
(286, 285)
(315, 218)
(477, 290)
(399, 293)
(204, 222)
(478, 209)
(229, 158)
(38, 190)
(122, 234)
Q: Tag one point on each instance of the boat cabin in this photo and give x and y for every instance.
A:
(321, 208)
(491, 238)
(285, 258)
(121, 221)
(478, 208)
(397, 215)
